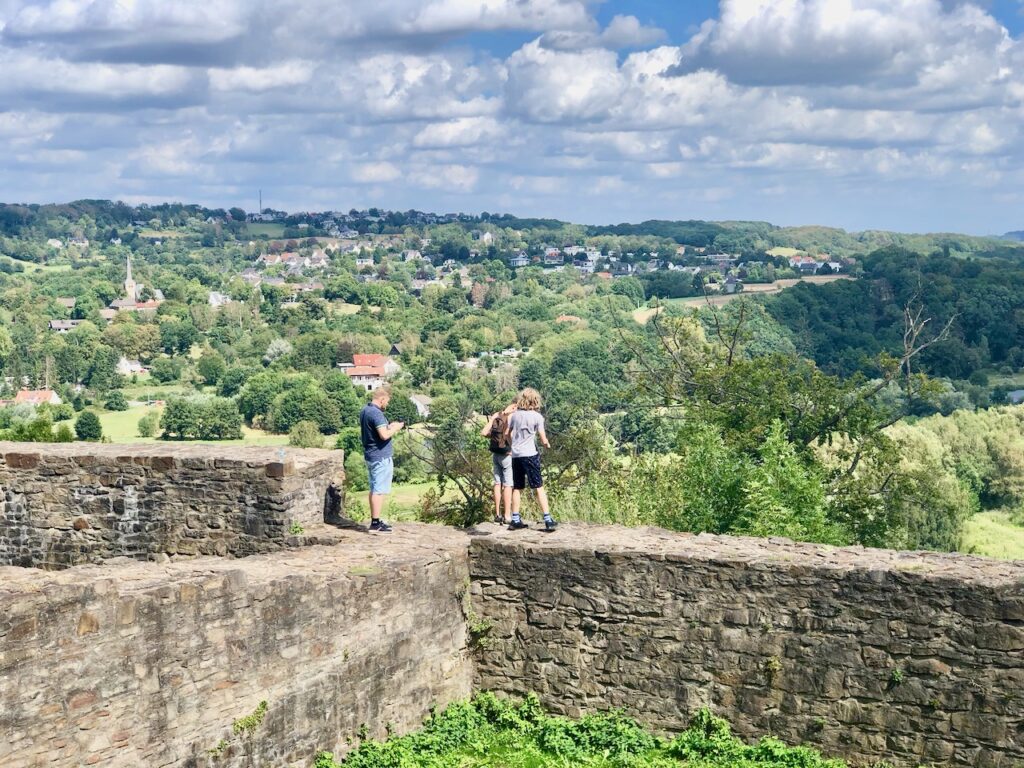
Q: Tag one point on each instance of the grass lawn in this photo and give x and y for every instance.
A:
(993, 534)
(31, 267)
(265, 228)
(122, 427)
(160, 233)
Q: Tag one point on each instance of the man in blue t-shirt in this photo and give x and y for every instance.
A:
(376, 434)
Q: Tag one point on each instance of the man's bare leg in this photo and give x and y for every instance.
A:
(497, 501)
(506, 491)
(376, 505)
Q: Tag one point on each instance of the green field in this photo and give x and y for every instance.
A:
(122, 427)
(993, 534)
(32, 267)
(265, 228)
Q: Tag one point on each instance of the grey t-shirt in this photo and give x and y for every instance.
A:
(524, 426)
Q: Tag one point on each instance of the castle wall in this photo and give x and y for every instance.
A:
(68, 504)
(148, 664)
(867, 654)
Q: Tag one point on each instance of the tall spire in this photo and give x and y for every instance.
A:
(130, 291)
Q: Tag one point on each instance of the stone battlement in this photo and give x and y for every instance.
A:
(913, 658)
(66, 504)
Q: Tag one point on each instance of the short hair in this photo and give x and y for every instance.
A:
(529, 399)
(383, 390)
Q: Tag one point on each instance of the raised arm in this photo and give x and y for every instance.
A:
(387, 431)
(486, 431)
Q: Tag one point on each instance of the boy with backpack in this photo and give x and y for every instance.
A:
(496, 431)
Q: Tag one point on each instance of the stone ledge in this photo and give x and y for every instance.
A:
(777, 553)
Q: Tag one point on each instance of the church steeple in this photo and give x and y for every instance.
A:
(130, 291)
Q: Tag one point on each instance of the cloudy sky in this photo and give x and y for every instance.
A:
(899, 114)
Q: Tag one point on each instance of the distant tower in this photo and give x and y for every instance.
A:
(130, 291)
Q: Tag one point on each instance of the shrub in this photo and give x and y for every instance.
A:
(166, 369)
(149, 424)
(88, 427)
(116, 401)
(306, 434)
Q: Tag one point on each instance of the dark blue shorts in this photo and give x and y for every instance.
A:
(526, 471)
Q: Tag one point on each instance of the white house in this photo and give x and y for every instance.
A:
(422, 403)
(370, 371)
(127, 367)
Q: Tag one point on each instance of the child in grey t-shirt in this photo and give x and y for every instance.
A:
(524, 427)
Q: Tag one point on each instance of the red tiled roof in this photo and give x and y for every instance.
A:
(376, 361)
(33, 396)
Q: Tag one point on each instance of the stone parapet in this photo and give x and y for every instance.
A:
(72, 503)
(156, 665)
(867, 654)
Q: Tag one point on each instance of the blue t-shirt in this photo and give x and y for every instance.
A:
(375, 448)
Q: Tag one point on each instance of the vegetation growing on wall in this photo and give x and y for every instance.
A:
(491, 733)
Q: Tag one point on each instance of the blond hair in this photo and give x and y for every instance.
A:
(529, 399)
(384, 390)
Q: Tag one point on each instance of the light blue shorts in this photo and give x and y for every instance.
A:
(381, 473)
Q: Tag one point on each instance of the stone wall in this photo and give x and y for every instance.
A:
(867, 654)
(148, 664)
(67, 504)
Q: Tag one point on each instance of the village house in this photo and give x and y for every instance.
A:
(36, 397)
(519, 260)
(68, 302)
(368, 372)
(126, 367)
(63, 326)
(422, 403)
(218, 299)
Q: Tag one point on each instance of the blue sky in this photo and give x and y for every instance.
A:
(865, 114)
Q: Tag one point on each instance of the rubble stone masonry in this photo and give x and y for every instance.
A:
(75, 503)
(147, 665)
(871, 655)
(131, 642)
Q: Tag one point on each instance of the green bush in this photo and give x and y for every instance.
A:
(116, 401)
(488, 732)
(88, 427)
(198, 418)
(149, 424)
(306, 434)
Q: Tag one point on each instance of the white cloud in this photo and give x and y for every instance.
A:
(462, 132)
(621, 32)
(404, 102)
(375, 173)
(285, 75)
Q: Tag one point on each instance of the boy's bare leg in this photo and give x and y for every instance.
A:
(497, 500)
(542, 500)
(507, 493)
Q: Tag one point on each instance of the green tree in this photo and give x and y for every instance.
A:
(88, 427)
(116, 401)
(211, 367)
(166, 369)
(149, 424)
(257, 396)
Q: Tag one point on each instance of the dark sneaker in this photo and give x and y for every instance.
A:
(550, 525)
(517, 525)
(380, 526)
